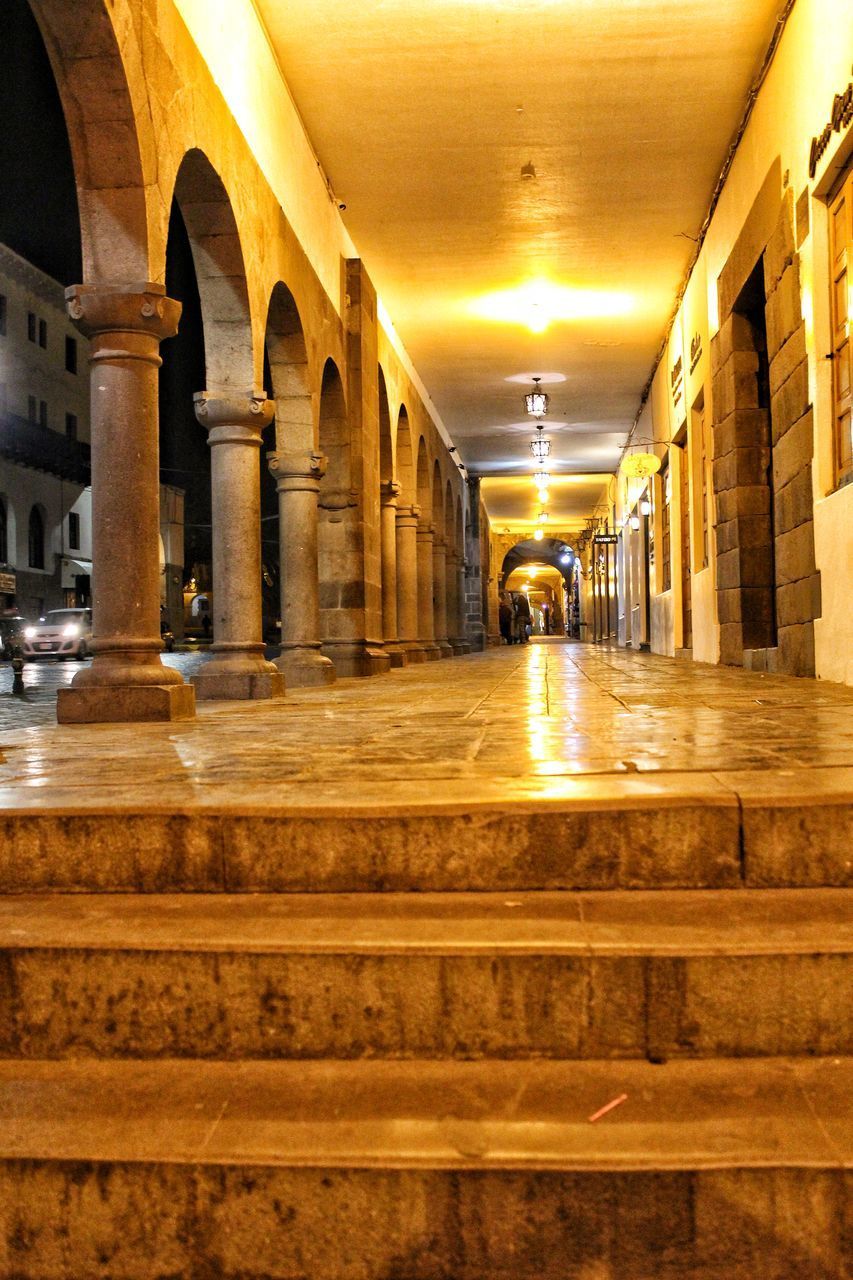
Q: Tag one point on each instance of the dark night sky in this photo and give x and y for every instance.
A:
(38, 199)
(39, 219)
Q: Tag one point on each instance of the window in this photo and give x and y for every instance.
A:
(43, 413)
(73, 531)
(665, 549)
(70, 354)
(2, 315)
(841, 305)
(31, 326)
(71, 425)
(42, 333)
(36, 539)
(4, 534)
(31, 408)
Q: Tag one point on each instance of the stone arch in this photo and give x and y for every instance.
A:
(386, 448)
(90, 61)
(558, 556)
(405, 466)
(220, 273)
(460, 527)
(449, 521)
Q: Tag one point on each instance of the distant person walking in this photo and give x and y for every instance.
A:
(522, 617)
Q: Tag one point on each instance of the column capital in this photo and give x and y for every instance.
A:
(297, 472)
(438, 541)
(426, 529)
(131, 310)
(408, 515)
(389, 492)
(234, 417)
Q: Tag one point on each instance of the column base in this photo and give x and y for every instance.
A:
(445, 648)
(354, 658)
(431, 650)
(111, 704)
(304, 668)
(397, 653)
(414, 652)
(460, 647)
(224, 686)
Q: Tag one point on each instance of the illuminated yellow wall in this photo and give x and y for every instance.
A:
(812, 64)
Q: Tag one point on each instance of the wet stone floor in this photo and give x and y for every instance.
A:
(525, 721)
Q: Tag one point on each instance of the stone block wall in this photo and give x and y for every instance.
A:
(768, 587)
(798, 595)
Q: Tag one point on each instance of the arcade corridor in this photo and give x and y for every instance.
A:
(339, 940)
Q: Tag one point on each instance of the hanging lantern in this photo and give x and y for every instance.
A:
(542, 479)
(640, 466)
(536, 401)
(540, 447)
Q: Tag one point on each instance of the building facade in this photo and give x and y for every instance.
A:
(45, 502)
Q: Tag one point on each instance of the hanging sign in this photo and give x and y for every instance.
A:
(842, 115)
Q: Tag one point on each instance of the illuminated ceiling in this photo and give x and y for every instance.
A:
(512, 502)
(424, 113)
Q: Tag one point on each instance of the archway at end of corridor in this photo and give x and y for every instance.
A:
(546, 573)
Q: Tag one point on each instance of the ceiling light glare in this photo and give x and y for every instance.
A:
(536, 304)
(538, 535)
(542, 495)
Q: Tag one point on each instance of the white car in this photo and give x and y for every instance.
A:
(61, 633)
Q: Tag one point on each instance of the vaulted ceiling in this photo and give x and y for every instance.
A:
(428, 115)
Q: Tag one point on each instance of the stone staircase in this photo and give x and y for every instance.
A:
(370, 1043)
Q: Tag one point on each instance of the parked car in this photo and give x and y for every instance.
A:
(12, 627)
(61, 633)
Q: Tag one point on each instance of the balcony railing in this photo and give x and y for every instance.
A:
(31, 445)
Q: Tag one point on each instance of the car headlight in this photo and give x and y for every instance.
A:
(29, 633)
(71, 630)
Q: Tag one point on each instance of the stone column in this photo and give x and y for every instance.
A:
(426, 615)
(474, 630)
(406, 521)
(456, 603)
(238, 668)
(390, 630)
(298, 477)
(127, 680)
(439, 595)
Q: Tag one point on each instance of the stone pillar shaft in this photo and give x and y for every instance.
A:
(426, 615)
(298, 482)
(127, 680)
(407, 582)
(390, 626)
(238, 668)
(439, 594)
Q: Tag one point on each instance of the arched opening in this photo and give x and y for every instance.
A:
(184, 455)
(213, 351)
(339, 544)
(546, 574)
(426, 614)
(4, 532)
(388, 496)
(404, 459)
(439, 564)
(284, 544)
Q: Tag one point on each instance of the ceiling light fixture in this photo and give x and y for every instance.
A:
(538, 535)
(536, 401)
(540, 447)
(542, 478)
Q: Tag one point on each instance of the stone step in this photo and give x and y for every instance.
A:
(664, 830)
(423, 1170)
(680, 973)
